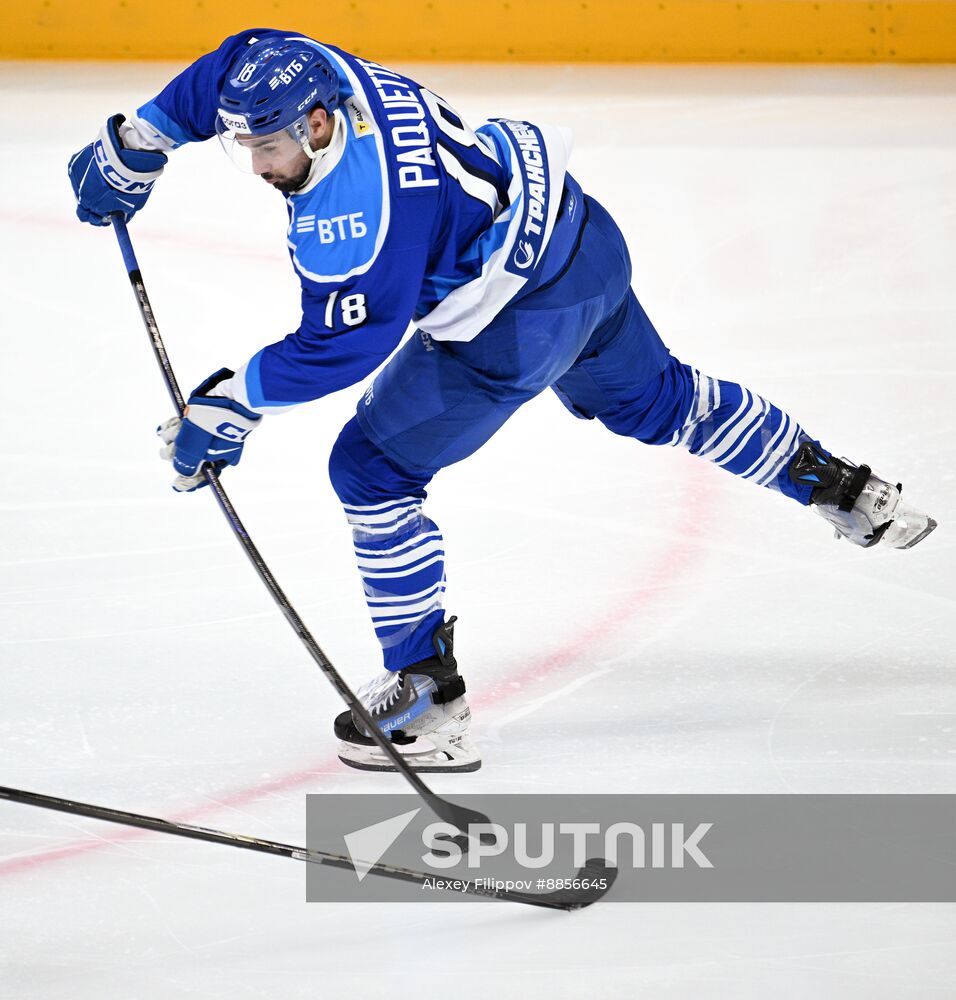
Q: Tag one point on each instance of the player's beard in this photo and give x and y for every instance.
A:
(289, 185)
(293, 185)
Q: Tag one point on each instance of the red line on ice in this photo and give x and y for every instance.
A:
(670, 566)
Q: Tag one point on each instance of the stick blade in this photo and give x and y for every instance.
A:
(591, 883)
(596, 877)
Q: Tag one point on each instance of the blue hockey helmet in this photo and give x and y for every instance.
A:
(274, 82)
(270, 90)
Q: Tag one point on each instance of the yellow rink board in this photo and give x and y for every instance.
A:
(498, 30)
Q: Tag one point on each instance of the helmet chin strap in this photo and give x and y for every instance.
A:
(318, 155)
(312, 154)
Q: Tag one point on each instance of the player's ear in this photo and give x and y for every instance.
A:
(318, 117)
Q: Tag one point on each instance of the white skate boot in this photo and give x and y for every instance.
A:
(422, 708)
(860, 506)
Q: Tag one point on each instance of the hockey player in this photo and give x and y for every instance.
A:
(515, 281)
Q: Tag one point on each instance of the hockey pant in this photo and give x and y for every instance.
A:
(586, 336)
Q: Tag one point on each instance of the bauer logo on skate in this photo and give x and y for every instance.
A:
(397, 722)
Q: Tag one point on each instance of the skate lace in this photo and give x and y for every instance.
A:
(382, 693)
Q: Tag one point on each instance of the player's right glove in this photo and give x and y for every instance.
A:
(107, 177)
(213, 429)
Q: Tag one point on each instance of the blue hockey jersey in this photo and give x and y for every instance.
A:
(411, 216)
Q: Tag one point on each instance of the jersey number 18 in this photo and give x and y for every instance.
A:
(352, 309)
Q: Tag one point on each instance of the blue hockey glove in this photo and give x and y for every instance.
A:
(213, 429)
(107, 177)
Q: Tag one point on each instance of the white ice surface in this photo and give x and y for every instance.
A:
(632, 619)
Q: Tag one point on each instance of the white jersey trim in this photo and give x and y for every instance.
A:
(327, 161)
(474, 186)
(137, 133)
(467, 310)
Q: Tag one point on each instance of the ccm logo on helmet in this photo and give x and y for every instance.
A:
(309, 101)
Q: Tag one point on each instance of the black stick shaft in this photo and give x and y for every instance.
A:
(448, 811)
(123, 818)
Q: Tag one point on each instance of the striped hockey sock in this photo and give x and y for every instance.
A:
(401, 558)
(742, 433)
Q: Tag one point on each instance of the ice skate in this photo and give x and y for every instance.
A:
(422, 708)
(860, 506)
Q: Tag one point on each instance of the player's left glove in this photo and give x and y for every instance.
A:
(213, 429)
(107, 177)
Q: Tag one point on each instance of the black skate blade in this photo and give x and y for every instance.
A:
(468, 766)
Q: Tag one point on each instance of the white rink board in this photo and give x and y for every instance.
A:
(631, 619)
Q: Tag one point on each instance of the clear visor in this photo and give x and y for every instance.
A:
(265, 154)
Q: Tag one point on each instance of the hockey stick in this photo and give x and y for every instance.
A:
(596, 874)
(459, 816)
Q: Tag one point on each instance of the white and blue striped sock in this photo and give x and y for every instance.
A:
(401, 558)
(742, 433)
